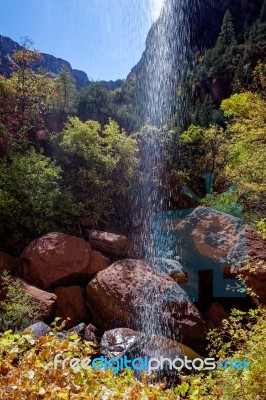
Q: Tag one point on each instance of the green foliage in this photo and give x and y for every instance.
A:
(154, 145)
(263, 12)
(32, 202)
(226, 202)
(246, 165)
(65, 94)
(95, 103)
(98, 164)
(242, 337)
(32, 94)
(17, 310)
(222, 57)
(202, 151)
(261, 227)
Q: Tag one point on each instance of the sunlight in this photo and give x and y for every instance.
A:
(156, 6)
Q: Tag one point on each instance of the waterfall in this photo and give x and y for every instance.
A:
(159, 72)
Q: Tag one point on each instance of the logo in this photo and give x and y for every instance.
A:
(147, 364)
(199, 239)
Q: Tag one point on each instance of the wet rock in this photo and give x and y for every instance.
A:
(85, 332)
(108, 242)
(173, 268)
(121, 342)
(39, 329)
(118, 342)
(56, 259)
(71, 304)
(129, 293)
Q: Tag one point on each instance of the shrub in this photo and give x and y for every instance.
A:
(98, 163)
(28, 372)
(18, 309)
(32, 200)
(242, 337)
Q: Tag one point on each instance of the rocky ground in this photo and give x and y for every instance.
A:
(104, 292)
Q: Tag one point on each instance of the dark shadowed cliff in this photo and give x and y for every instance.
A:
(184, 27)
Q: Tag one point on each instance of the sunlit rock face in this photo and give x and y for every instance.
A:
(130, 294)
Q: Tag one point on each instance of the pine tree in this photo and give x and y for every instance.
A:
(66, 89)
(226, 37)
(222, 55)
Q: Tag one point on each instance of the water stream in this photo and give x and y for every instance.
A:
(159, 70)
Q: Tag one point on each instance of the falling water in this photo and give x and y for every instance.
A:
(158, 73)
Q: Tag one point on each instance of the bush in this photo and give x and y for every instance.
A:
(242, 337)
(28, 372)
(32, 200)
(18, 310)
(98, 163)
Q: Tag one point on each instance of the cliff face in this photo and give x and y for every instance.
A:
(50, 63)
(54, 65)
(183, 27)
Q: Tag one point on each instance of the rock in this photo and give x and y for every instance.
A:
(212, 237)
(98, 262)
(108, 242)
(206, 239)
(79, 329)
(255, 274)
(45, 299)
(39, 329)
(86, 332)
(215, 314)
(56, 259)
(121, 342)
(6, 262)
(130, 294)
(71, 304)
(256, 246)
(173, 268)
(90, 334)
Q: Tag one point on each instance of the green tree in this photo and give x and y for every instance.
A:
(98, 165)
(95, 102)
(222, 57)
(203, 150)
(247, 148)
(26, 97)
(32, 200)
(66, 93)
(226, 37)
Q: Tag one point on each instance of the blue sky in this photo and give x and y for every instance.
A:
(104, 38)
